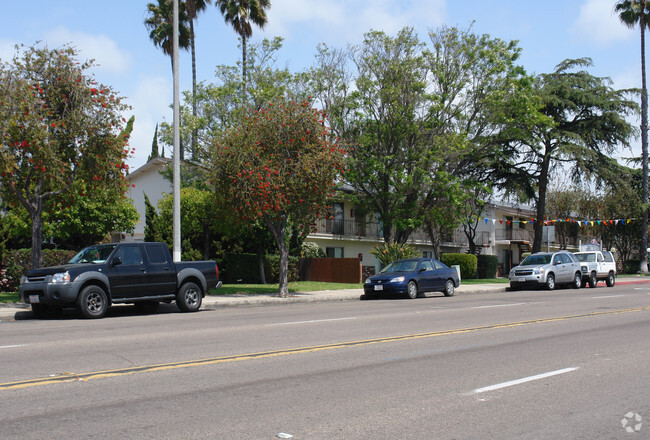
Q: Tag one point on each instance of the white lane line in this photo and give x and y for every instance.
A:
(312, 321)
(608, 296)
(497, 305)
(524, 380)
(12, 346)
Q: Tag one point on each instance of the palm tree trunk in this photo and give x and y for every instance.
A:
(243, 69)
(644, 146)
(194, 131)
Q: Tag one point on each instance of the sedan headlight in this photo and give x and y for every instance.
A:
(61, 277)
(368, 281)
(397, 280)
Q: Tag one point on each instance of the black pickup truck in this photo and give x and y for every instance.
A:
(140, 273)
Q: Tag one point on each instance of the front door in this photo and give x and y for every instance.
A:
(129, 279)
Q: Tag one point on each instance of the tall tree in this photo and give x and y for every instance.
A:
(633, 12)
(193, 7)
(154, 145)
(240, 14)
(57, 126)
(588, 126)
(280, 166)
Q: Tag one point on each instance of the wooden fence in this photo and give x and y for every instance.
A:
(331, 270)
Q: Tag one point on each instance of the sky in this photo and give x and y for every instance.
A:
(113, 34)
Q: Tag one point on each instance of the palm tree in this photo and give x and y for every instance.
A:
(192, 8)
(240, 14)
(160, 23)
(631, 12)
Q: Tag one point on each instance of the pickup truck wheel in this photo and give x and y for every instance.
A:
(43, 311)
(92, 302)
(610, 281)
(189, 297)
(593, 280)
(550, 282)
(450, 289)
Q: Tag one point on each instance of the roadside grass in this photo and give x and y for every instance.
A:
(8, 297)
(295, 286)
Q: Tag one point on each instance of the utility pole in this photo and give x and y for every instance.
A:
(177, 142)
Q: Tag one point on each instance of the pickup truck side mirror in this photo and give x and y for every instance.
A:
(116, 261)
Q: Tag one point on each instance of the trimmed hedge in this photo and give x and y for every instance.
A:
(244, 268)
(487, 266)
(467, 263)
(20, 261)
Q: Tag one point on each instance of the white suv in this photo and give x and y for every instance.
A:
(597, 266)
(547, 269)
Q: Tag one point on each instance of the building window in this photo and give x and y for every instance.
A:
(334, 252)
(427, 254)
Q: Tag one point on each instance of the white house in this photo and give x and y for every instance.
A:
(503, 230)
(147, 180)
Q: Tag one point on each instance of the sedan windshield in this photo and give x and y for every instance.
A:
(93, 254)
(536, 260)
(400, 266)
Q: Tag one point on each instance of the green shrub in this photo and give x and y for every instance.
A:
(631, 266)
(386, 253)
(20, 261)
(467, 263)
(486, 266)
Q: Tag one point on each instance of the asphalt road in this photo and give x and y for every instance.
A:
(567, 364)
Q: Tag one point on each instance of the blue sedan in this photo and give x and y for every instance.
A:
(413, 277)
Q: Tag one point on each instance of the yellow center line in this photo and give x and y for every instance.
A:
(66, 377)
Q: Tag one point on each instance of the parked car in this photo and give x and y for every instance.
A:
(548, 269)
(413, 277)
(597, 266)
(140, 273)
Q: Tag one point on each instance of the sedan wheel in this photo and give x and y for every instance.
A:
(450, 289)
(412, 290)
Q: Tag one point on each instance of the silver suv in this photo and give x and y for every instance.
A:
(547, 269)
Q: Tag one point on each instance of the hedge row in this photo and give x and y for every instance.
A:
(467, 263)
(20, 261)
(487, 266)
(244, 268)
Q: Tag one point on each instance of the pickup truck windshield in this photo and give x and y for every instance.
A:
(93, 254)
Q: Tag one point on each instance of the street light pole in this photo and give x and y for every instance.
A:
(177, 158)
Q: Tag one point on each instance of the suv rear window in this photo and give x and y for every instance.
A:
(155, 253)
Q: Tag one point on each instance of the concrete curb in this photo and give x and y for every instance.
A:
(19, 311)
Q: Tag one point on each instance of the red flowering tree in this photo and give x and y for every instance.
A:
(57, 125)
(279, 164)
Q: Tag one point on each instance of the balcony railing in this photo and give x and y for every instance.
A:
(374, 231)
(371, 230)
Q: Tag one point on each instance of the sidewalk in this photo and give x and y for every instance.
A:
(13, 311)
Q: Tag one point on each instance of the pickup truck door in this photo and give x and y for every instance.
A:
(129, 279)
(162, 272)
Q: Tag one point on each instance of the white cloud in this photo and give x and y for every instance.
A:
(345, 21)
(150, 101)
(597, 22)
(7, 50)
(107, 55)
